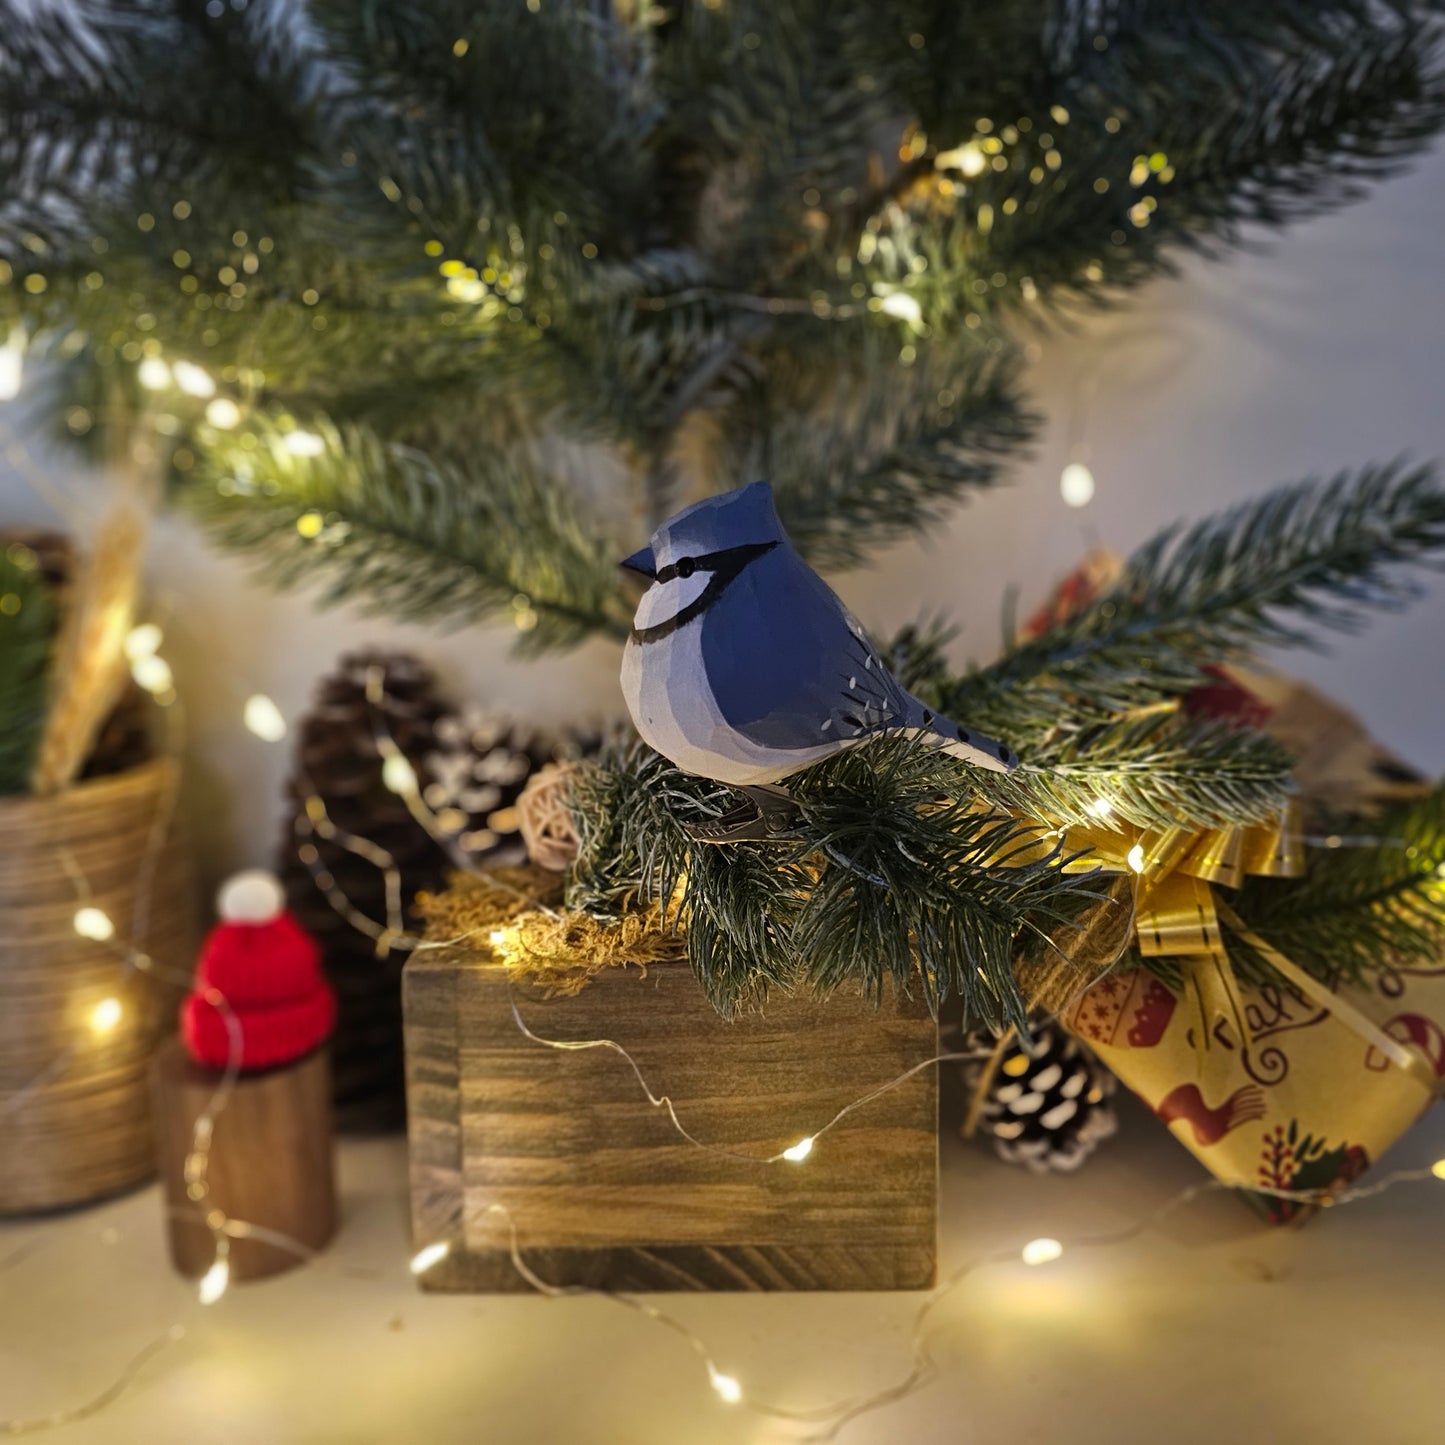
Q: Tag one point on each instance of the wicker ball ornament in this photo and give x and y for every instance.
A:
(1046, 1104)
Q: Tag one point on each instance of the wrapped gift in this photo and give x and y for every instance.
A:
(1298, 1099)
(1291, 1086)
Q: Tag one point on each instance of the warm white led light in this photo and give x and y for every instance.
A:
(154, 374)
(398, 774)
(799, 1151)
(1041, 1251)
(93, 923)
(105, 1016)
(223, 413)
(1076, 485)
(304, 444)
(1099, 808)
(431, 1254)
(1438, 1168)
(142, 641)
(213, 1282)
(152, 673)
(903, 306)
(193, 380)
(1136, 857)
(968, 159)
(12, 368)
(727, 1388)
(263, 718)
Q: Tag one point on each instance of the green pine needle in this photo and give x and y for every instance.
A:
(889, 874)
(1276, 571)
(1152, 771)
(704, 243)
(400, 531)
(27, 636)
(1375, 902)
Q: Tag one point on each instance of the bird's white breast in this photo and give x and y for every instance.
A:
(665, 686)
(664, 600)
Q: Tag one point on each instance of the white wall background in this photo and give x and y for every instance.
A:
(1319, 350)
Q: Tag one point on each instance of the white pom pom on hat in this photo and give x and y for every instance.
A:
(251, 896)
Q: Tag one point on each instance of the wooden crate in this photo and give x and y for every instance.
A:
(601, 1187)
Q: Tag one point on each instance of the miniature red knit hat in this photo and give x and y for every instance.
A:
(267, 969)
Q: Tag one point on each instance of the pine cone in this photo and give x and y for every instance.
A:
(479, 769)
(1046, 1106)
(337, 758)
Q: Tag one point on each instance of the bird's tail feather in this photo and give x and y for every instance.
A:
(959, 742)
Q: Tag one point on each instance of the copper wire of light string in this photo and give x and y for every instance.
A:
(662, 1101)
(832, 1418)
(390, 751)
(197, 1163)
(657, 1316)
(134, 957)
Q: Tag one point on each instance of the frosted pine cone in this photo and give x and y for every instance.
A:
(1048, 1105)
(477, 773)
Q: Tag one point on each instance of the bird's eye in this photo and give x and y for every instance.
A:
(686, 567)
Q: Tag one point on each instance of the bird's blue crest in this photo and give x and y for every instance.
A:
(730, 519)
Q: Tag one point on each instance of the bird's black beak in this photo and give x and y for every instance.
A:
(642, 562)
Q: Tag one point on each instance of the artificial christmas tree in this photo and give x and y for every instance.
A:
(363, 265)
(449, 307)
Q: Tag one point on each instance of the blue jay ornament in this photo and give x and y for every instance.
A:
(744, 667)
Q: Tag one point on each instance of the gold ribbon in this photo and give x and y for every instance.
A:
(1177, 915)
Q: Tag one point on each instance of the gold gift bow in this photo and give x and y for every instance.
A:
(1177, 915)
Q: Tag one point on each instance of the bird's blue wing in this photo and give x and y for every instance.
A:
(788, 666)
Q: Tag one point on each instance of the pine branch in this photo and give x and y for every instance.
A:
(27, 640)
(549, 109)
(1152, 771)
(881, 874)
(1189, 120)
(904, 876)
(771, 110)
(414, 535)
(625, 225)
(1274, 571)
(870, 466)
(1360, 908)
(100, 97)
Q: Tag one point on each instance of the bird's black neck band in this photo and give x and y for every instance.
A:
(724, 566)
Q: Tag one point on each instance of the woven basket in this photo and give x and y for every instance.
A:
(74, 1105)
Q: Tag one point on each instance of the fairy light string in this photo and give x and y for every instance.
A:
(826, 1420)
(793, 1154)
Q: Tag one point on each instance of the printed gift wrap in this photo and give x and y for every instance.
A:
(1304, 1103)
(1289, 1086)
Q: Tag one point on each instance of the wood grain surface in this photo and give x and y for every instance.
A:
(602, 1189)
(271, 1160)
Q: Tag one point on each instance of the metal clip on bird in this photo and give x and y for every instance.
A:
(744, 667)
